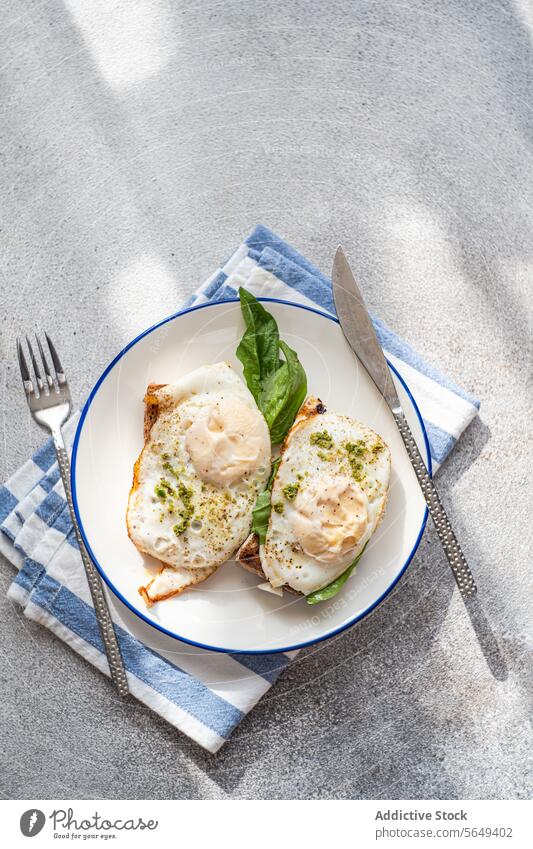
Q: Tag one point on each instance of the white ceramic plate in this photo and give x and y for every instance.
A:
(228, 612)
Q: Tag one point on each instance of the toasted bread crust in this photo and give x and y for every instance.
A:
(151, 412)
(248, 558)
(310, 408)
(151, 407)
(144, 591)
(147, 600)
(248, 555)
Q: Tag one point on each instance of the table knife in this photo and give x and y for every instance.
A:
(359, 331)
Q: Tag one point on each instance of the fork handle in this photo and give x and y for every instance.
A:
(103, 616)
(452, 549)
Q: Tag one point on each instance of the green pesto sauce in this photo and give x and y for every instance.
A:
(357, 469)
(174, 472)
(181, 526)
(356, 449)
(291, 491)
(163, 488)
(278, 507)
(185, 494)
(186, 513)
(322, 438)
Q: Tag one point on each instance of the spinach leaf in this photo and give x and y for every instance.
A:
(283, 394)
(332, 589)
(261, 515)
(258, 349)
(278, 386)
(261, 511)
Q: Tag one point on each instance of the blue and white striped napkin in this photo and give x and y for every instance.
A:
(202, 693)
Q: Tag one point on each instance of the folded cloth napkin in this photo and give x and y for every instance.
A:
(204, 694)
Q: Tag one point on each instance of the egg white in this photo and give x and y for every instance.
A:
(311, 468)
(176, 513)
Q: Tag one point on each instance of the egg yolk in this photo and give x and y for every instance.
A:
(329, 520)
(226, 442)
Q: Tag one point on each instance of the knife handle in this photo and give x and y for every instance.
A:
(452, 549)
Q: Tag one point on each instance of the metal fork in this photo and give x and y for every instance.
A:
(50, 405)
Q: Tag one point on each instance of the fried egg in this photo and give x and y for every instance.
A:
(328, 497)
(205, 459)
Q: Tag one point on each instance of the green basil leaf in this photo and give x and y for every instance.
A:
(273, 470)
(278, 386)
(332, 589)
(261, 515)
(258, 349)
(274, 395)
(262, 509)
(283, 394)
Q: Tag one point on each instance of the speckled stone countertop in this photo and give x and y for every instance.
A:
(139, 143)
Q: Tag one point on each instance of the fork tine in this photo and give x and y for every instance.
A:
(25, 373)
(22, 362)
(49, 378)
(60, 374)
(34, 363)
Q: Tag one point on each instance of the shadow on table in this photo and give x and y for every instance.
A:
(486, 638)
(468, 449)
(382, 654)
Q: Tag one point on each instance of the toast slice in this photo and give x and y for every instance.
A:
(170, 580)
(248, 555)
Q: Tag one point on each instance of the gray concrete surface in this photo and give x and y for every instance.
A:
(139, 143)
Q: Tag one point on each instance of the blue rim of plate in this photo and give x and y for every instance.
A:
(101, 570)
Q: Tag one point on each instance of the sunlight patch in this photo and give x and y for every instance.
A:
(142, 294)
(129, 41)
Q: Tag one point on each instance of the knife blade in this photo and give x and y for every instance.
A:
(358, 329)
(357, 326)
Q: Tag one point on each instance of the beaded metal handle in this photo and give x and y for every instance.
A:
(452, 549)
(107, 629)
